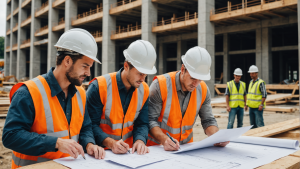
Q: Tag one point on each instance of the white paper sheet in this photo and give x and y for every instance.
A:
(220, 136)
(156, 154)
(89, 163)
(234, 155)
(268, 141)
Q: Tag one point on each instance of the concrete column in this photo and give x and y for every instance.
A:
(7, 42)
(71, 8)
(267, 55)
(206, 36)
(149, 15)
(161, 59)
(258, 57)
(52, 36)
(181, 49)
(21, 54)
(35, 52)
(226, 61)
(97, 65)
(108, 46)
(13, 40)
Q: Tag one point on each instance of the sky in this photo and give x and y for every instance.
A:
(2, 17)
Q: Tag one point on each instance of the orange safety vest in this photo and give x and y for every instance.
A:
(50, 119)
(113, 121)
(170, 119)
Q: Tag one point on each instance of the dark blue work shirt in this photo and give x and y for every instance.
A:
(21, 115)
(95, 109)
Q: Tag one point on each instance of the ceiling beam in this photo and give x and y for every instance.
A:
(251, 17)
(276, 14)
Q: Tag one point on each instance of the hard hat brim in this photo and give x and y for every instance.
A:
(199, 77)
(252, 72)
(238, 74)
(146, 71)
(94, 58)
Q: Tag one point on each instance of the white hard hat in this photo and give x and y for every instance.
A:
(197, 61)
(253, 69)
(79, 41)
(238, 72)
(142, 55)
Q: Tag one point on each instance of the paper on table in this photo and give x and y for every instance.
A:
(294, 144)
(90, 162)
(156, 154)
(218, 137)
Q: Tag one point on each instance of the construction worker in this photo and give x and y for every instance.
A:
(256, 98)
(47, 118)
(118, 102)
(177, 98)
(236, 97)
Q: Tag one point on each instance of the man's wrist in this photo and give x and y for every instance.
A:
(88, 145)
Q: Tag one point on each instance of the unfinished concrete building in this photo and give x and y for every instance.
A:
(237, 33)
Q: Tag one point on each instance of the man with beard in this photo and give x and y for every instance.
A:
(48, 118)
(177, 98)
(118, 102)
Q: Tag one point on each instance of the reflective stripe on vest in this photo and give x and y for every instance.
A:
(119, 129)
(254, 96)
(22, 162)
(50, 118)
(179, 130)
(236, 98)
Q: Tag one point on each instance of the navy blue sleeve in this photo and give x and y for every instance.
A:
(19, 120)
(141, 125)
(95, 108)
(86, 133)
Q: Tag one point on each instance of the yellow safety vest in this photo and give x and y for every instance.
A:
(236, 97)
(254, 96)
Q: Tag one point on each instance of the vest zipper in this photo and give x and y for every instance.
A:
(122, 128)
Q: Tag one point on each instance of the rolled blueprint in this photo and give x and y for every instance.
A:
(275, 142)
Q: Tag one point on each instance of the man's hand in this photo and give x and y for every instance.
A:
(140, 147)
(120, 147)
(69, 146)
(228, 108)
(246, 107)
(260, 108)
(223, 144)
(96, 151)
(169, 145)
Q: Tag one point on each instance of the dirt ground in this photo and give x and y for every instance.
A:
(269, 118)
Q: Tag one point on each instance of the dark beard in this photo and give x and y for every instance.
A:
(74, 81)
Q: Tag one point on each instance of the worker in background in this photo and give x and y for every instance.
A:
(118, 102)
(47, 118)
(256, 98)
(177, 98)
(236, 97)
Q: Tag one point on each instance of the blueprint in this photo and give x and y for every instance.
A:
(241, 153)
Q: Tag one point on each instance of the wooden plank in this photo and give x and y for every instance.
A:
(120, 9)
(45, 165)
(281, 109)
(289, 134)
(3, 115)
(266, 132)
(288, 162)
(271, 127)
(296, 154)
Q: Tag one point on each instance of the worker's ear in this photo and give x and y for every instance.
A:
(67, 61)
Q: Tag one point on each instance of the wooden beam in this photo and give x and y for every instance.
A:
(265, 16)
(276, 14)
(291, 9)
(274, 129)
(251, 17)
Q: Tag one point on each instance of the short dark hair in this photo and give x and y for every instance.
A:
(62, 56)
(129, 64)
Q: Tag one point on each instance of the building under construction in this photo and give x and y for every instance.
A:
(237, 33)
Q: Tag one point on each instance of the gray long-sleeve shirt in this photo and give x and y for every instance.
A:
(155, 104)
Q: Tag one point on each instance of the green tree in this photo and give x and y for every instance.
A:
(2, 47)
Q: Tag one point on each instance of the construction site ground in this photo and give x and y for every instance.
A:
(222, 119)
